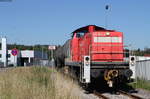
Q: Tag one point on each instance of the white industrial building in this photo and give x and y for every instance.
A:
(141, 58)
(31, 57)
(10, 59)
(24, 57)
(4, 51)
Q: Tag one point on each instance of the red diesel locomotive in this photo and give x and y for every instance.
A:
(94, 52)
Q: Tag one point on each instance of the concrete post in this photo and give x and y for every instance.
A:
(29, 60)
(15, 61)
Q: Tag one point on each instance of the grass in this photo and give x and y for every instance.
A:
(36, 83)
(141, 83)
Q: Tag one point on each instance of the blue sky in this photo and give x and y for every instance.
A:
(51, 21)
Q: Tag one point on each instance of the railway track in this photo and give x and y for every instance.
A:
(129, 95)
(100, 95)
(122, 93)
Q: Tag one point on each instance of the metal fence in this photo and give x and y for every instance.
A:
(143, 69)
(43, 63)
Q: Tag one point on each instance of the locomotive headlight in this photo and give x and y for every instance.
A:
(86, 70)
(132, 65)
(87, 58)
(132, 61)
(132, 58)
(87, 63)
(107, 33)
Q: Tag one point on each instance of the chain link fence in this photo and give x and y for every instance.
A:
(43, 63)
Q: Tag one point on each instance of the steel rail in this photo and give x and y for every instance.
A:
(100, 95)
(130, 95)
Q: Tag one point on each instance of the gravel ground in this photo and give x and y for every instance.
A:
(113, 96)
(88, 96)
(142, 93)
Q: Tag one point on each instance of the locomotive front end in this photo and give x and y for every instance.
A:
(107, 57)
(96, 53)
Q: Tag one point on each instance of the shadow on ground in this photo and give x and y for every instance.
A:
(102, 87)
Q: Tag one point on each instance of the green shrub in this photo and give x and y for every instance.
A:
(141, 83)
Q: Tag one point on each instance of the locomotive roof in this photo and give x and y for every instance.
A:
(85, 28)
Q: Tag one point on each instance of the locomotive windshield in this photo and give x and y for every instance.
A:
(80, 34)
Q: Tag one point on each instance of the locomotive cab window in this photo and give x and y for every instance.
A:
(80, 34)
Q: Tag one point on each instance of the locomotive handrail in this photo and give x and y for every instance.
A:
(106, 52)
(90, 51)
(107, 45)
